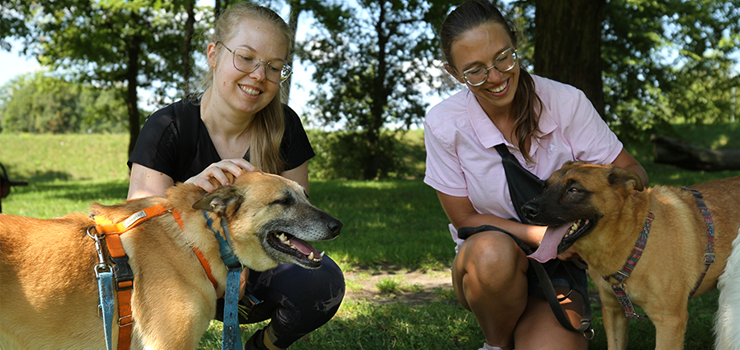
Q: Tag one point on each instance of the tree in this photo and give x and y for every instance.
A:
(113, 43)
(40, 103)
(647, 86)
(569, 50)
(629, 61)
(371, 63)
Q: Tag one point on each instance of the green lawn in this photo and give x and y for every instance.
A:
(395, 222)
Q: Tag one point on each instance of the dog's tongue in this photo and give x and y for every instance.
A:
(304, 247)
(548, 249)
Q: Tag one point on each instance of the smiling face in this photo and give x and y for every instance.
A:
(479, 47)
(246, 92)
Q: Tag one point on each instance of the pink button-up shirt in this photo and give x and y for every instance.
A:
(460, 139)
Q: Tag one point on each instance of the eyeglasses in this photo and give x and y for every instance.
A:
(246, 61)
(504, 62)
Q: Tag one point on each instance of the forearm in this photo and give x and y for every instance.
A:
(529, 234)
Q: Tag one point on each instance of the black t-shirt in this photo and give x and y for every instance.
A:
(175, 141)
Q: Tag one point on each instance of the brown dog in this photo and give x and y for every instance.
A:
(601, 210)
(48, 288)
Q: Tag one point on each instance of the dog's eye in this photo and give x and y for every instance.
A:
(284, 201)
(573, 190)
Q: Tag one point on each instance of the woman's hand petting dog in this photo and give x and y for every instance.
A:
(218, 171)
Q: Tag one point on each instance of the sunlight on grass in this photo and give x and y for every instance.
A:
(388, 285)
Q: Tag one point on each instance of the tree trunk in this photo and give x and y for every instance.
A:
(557, 53)
(187, 46)
(683, 155)
(379, 96)
(295, 12)
(132, 72)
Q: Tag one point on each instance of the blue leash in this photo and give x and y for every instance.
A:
(105, 291)
(232, 338)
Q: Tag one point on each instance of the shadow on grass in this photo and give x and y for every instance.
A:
(76, 190)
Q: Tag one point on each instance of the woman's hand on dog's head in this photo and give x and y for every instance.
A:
(221, 174)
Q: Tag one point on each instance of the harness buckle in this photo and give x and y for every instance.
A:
(123, 273)
(125, 321)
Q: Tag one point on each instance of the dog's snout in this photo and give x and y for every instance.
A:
(530, 210)
(334, 226)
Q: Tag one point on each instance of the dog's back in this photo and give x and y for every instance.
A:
(29, 277)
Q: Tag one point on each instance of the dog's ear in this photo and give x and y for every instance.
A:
(224, 201)
(625, 177)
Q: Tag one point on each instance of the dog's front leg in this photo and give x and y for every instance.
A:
(616, 324)
(670, 328)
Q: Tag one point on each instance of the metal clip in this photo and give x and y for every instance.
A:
(709, 258)
(589, 334)
(102, 266)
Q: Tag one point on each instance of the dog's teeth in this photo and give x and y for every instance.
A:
(310, 256)
(322, 254)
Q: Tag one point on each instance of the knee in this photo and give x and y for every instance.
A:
(492, 260)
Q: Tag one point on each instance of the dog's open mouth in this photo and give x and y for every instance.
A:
(576, 231)
(299, 250)
(558, 239)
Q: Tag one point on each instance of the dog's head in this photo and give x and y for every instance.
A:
(270, 221)
(574, 197)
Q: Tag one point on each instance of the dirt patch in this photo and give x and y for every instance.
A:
(384, 284)
(412, 287)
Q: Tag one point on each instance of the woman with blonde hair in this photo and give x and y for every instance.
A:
(239, 124)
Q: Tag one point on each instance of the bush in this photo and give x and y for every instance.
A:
(347, 155)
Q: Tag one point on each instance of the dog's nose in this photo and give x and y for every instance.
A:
(334, 226)
(530, 210)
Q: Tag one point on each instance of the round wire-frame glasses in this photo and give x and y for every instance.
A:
(246, 61)
(504, 62)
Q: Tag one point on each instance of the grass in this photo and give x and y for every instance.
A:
(396, 222)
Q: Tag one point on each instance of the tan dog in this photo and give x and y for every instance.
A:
(600, 212)
(48, 288)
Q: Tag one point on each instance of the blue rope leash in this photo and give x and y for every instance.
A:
(232, 338)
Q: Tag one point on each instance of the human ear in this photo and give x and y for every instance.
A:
(211, 54)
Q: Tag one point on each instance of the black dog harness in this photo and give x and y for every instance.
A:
(621, 275)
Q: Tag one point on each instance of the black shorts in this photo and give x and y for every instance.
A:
(562, 273)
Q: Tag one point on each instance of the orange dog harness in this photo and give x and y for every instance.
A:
(124, 277)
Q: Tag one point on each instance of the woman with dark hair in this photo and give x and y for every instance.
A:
(541, 122)
(239, 124)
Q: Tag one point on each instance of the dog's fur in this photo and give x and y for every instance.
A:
(614, 202)
(48, 288)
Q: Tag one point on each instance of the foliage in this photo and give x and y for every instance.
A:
(668, 61)
(12, 23)
(646, 86)
(39, 103)
(111, 44)
(371, 63)
(342, 154)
